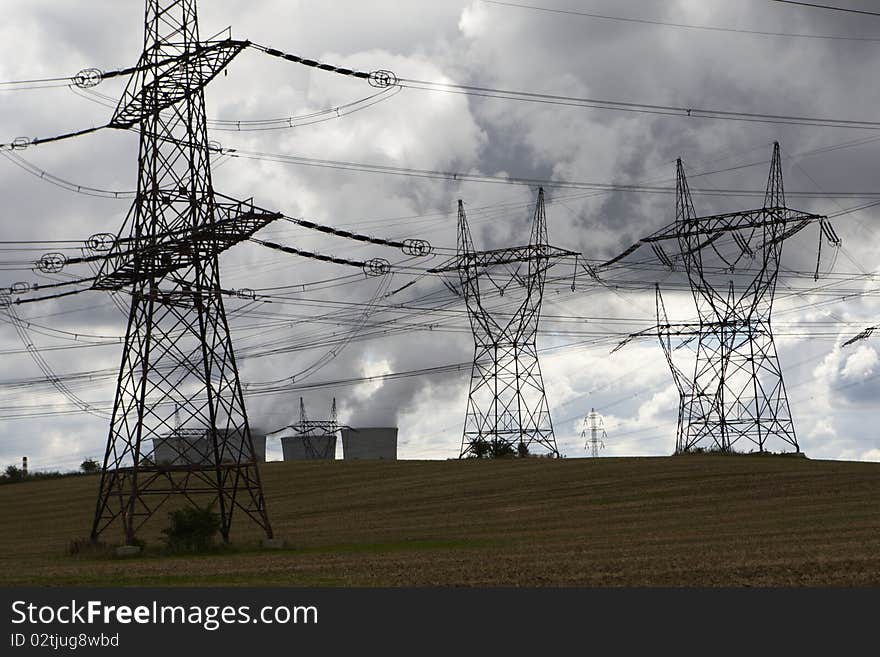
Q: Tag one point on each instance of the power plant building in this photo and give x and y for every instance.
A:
(305, 448)
(193, 447)
(370, 443)
(309, 440)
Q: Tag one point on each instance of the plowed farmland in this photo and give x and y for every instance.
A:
(677, 521)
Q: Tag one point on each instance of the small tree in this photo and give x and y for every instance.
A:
(14, 473)
(501, 449)
(479, 448)
(192, 529)
(90, 465)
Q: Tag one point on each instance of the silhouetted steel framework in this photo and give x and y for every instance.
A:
(736, 393)
(178, 356)
(314, 433)
(507, 408)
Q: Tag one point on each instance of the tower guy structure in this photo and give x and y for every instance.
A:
(594, 433)
(507, 407)
(731, 390)
(178, 358)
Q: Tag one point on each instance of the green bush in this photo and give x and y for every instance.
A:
(14, 473)
(502, 450)
(192, 529)
(480, 448)
(90, 465)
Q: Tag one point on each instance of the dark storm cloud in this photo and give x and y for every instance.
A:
(472, 43)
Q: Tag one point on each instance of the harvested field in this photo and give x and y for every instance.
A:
(676, 521)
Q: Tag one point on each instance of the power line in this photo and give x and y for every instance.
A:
(385, 78)
(24, 142)
(22, 163)
(86, 78)
(35, 81)
(276, 123)
(829, 7)
(262, 329)
(397, 323)
(642, 108)
(645, 21)
(388, 79)
(459, 176)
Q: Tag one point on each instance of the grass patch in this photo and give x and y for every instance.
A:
(718, 451)
(411, 545)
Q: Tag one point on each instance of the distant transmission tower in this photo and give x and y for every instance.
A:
(178, 384)
(594, 433)
(736, 392)
(507, 409)
(318, 436)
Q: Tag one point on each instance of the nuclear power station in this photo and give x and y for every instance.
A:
(177, 428)
(369, 443)
(316, 439)
(307, 448)
(194, 446)
(309, 439)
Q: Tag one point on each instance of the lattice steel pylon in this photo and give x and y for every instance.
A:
(507, 410)
(178, 357)
(736, 395)
(594, 433)
(318, 436)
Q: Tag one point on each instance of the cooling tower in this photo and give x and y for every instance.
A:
(370, 443)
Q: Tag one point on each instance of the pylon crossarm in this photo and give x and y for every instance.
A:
(482, 260)
(184, 76)
(734, 221)
(234, 222)
(789, 231)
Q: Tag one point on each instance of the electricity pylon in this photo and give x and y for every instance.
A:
(736, 392)
(318, 436)
(507, 409)
(594, 433)
(178, 384)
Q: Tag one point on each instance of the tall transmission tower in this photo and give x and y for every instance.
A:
(736, 393)
(594, 433)
(507, 409)
(318, 436)
(178, 375)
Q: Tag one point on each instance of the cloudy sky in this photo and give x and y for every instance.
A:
(323, 324)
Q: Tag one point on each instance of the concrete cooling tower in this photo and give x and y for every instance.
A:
(370, 443)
